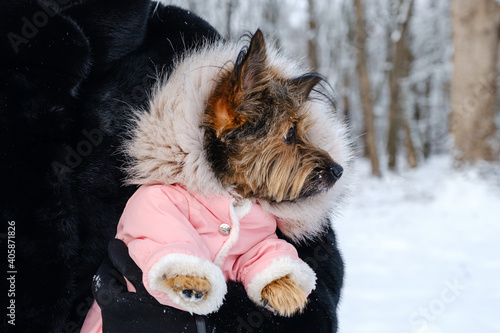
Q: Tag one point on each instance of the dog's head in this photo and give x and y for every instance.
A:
(258, 131)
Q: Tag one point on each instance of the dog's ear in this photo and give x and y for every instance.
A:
(304, 84)
(248, 72)
(249, 68)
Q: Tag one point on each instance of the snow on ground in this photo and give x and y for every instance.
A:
(422, 251)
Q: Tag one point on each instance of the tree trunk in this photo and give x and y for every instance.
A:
(411, 153)
(401, 60)
(475, 27)
(365, 88)
(424, 113)
(272, 20)
(345, 98)
(392, 140)
(229, 17)
(312, 46)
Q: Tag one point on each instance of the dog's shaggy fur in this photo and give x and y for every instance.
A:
(68, 88)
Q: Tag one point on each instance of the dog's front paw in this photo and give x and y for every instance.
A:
(284, 297)
(190, 288)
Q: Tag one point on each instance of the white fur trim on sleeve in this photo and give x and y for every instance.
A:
(174, 264)
(297, 270)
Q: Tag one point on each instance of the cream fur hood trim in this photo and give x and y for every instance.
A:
(167, 142)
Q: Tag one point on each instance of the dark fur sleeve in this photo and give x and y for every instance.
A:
(70, 74)
(41, 70)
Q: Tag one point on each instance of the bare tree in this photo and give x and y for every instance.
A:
(475, 33)
(365, 87)
(312, 47)
(401, 61)
(229, 17)
(273, 20)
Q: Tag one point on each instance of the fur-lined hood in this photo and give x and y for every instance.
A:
(167, 144)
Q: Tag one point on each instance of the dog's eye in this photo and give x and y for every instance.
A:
(290, 135)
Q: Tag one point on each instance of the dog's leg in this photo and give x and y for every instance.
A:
(191, 288)
(284, 296)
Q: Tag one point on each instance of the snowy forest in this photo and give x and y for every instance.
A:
(417, 82)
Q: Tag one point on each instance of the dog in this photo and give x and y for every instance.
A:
(241, 144)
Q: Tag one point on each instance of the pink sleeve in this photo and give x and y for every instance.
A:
(154, 224)
(269, 260)
(261, 255)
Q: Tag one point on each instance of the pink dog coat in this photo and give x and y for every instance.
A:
(170, 231)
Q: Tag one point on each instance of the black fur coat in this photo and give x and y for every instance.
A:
(70, 73)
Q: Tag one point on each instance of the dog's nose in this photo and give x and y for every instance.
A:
(336, 171)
